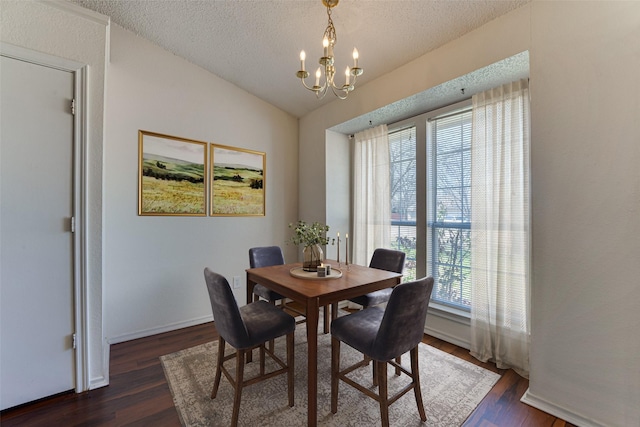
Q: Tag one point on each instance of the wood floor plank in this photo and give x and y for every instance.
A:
(138, 394)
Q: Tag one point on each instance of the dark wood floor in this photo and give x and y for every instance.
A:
(138, 394)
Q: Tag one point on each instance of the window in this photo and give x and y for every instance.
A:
(402, 168)
(430, 169)
(460, 241)
(449, 208)
(431, 213)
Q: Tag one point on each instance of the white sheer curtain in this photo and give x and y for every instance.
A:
(371, 200)
(500, 230)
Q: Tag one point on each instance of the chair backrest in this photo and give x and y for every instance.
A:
(226, 313)
(402, 326)
(388, 259)
(265, 256)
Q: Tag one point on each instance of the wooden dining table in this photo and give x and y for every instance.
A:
(313, 293)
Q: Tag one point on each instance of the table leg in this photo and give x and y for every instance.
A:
(313, 309)
(327, 319)
(250, 286)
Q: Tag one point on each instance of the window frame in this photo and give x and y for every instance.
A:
(422, 193)
(433, 225)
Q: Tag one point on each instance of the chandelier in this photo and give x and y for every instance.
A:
(327, 66)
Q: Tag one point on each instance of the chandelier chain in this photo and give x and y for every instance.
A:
(330, 31)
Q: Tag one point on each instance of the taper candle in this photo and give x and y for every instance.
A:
(338, 256)
(346, 240)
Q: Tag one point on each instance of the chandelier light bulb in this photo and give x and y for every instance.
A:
(347, 74)
(355, 57)
(318, 74)
(303, 56)
(325, 45)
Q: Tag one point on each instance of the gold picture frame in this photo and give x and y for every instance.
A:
(172, 175)
(237, 183)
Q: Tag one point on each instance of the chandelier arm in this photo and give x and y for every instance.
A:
(306, 86)
(335, 92)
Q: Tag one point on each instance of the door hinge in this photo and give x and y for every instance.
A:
(73, 341)
(73, 107)
(73, 224)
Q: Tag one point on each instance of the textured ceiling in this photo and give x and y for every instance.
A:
(255, 44)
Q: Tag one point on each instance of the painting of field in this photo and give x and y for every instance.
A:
(237, 181)
(172, 175)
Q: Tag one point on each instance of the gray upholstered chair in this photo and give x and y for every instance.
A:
(382, 335)
(245, 328)
(265, 256)
(382, 259)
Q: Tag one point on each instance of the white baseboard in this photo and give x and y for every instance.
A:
(160, 329)
(103, 380)
(446, 337)
(98, 383)
(558, 411)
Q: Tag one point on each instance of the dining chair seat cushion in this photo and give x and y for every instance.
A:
(358, 329)
(263, 322)
(373, 298)
(266, 293)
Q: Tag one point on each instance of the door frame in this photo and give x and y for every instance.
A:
(79, 196)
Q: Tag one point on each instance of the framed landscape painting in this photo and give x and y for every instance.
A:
(237, 181)
(172, 175)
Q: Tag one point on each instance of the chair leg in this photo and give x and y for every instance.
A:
(271, 345)
(375, 372)
(416, 382)
(240, 355)
(216, 382)
(262, 359)
(335, 369)
(250, 352)
(399, 362)
(290, 366)
(382, 392)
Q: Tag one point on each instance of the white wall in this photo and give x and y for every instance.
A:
(82, 37)
(154, 265)
(585, 62)
(338, 184)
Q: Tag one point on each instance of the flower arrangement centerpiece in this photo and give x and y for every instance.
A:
(312, 237)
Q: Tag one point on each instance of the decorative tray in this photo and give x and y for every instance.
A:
(312, 275)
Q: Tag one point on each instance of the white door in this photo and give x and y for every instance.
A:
(36, 245)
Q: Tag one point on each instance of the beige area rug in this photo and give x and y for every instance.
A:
(451, 389)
